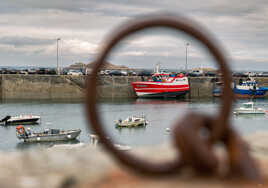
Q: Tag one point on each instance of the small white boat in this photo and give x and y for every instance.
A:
(20, 119)
(249, 108)
(132, 121)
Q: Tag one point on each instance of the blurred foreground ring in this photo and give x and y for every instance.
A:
(173, 22)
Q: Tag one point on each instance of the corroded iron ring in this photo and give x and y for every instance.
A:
(175, 22)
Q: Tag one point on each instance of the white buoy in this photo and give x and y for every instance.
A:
(38, 138)
(167, 129)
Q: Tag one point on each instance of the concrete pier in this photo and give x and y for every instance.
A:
(73, 87)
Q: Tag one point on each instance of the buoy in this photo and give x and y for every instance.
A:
(69, 136)
(38, 138)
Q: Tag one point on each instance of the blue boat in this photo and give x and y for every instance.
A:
(249, 89)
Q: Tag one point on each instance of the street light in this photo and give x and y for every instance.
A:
(186, 68)
(58, 55)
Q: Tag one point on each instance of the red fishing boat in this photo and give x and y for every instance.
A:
(163, 85)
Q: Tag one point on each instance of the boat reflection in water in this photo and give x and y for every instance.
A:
(249, 108)
(160, 101)
(95, 141)
(35, 145)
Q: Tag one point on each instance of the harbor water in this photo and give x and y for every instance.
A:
(161, 114)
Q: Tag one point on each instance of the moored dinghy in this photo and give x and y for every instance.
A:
(132, 121)
(249, 108)
(47, 135)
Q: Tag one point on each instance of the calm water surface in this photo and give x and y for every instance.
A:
(161, 114)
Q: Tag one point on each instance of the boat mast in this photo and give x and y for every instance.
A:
(156, 68)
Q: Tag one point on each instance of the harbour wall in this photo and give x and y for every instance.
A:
(73, 87)
(40, 87)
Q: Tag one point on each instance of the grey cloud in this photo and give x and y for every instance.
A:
(25, 41)
(241, 25)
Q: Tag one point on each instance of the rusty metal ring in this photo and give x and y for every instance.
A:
(176, 22)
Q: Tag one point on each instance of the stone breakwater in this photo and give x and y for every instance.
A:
(41, 87)
(73, 87)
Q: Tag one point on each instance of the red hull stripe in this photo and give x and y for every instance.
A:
(162, 90)
(147, 86)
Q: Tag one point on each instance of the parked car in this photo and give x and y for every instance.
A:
(239, 74)
(12, 71)
(263, 74)
(106, 72)
(65, 71)
(41, 71)
(132, 73)
(124, 73)
(212, 74)
(195, 73)
(115, 73)
(51, 71)
(24, 71)
(75, 72)
(32, 71)
(4, 70)
(102, 72)
(145, 73)
(251, 74)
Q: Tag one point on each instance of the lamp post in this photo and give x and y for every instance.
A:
(186, 68)
(58, 55)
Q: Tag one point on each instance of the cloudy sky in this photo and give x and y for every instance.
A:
(29, 29)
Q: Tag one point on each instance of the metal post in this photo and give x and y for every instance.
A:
(186, 63)
(58, 55)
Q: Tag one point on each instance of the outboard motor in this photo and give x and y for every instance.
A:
(5, 118)
(20, 132)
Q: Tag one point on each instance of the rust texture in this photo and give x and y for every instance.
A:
(194, 150)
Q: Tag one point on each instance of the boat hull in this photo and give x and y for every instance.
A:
(247, 96)
(248, 113)
(153, 89)
(120, 125)
(249, 93)
(71, 135)
(162, 94)
(22, 122)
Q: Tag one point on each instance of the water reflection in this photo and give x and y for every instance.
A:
(160, 101)
(30, 145)
(131, 130)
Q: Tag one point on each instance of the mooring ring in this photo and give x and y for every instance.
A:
(175, 22)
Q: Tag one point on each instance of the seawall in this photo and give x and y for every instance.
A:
(73, 87)
(39, 87)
